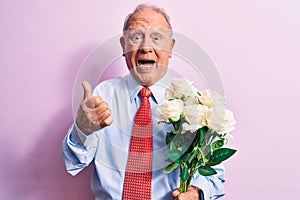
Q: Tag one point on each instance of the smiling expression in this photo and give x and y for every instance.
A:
(147, 46)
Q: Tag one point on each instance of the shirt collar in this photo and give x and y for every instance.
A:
(158, 89)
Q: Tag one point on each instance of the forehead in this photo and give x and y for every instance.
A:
(148, 18)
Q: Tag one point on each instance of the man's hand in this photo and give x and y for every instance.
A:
(93, 113)
(191, 194)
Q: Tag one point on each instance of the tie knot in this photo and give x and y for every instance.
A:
(145, 92)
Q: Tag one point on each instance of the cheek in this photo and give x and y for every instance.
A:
(130, 58)
(163, 57)
(128, 61)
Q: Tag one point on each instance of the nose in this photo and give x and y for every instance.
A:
(146, 46)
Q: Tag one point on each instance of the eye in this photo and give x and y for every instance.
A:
(156, 37)
(136, 37)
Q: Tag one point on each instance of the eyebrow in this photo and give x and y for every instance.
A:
(161, 31)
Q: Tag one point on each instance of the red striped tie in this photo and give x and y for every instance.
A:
(138, 176)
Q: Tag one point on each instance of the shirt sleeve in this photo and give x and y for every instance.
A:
(79, 149)
(212, 186)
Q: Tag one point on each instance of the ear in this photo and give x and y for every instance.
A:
(122, 42)
(171, 47)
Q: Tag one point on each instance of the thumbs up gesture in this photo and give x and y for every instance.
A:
(93, 113)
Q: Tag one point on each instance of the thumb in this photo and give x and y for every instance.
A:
(87, 88)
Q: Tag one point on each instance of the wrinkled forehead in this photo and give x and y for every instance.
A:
(148, 18)
(148, 31)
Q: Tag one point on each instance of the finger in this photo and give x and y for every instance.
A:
(102, 107)
(103, 115)
(108, 121)
(105, 119)
(193, 188)
(94, 102)
(175, 193)
(87, 89)
(192, 193)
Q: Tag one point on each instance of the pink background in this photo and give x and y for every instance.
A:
(254, 44)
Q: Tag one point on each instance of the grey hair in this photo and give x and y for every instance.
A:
(144, 6)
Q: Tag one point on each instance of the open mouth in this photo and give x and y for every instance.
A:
(146, 63)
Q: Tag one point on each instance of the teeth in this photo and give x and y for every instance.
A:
(146, 64)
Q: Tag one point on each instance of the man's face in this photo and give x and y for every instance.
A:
(147, 46)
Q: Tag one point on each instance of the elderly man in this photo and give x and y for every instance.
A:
(116, 127)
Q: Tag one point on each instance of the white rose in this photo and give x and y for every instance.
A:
(179, 87)
(169, 94)
(196, 116)
(188, 101)
(171, 109)
(211, 98)
(221, 120)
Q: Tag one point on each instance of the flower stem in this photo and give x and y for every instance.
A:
(184, 186)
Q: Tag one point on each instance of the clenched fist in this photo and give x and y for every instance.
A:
(93, 113)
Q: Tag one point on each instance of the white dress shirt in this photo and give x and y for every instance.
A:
(109, 147)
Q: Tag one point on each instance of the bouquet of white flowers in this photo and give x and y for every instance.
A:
(201, 124)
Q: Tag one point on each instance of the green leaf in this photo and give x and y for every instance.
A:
(177, 125)
(220, 155)
(172, 121)
(181, 115)
(206, 154)
(207, 150)
(175, 132)
(174, 155)
(202, 132)
(206, 171)
(173, 145)
(182, 97)
(169, 137)
(171, 167)
(186, 157)
(178, 161)
(185, 174)
(218, 144)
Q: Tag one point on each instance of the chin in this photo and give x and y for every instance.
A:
(145, 81)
